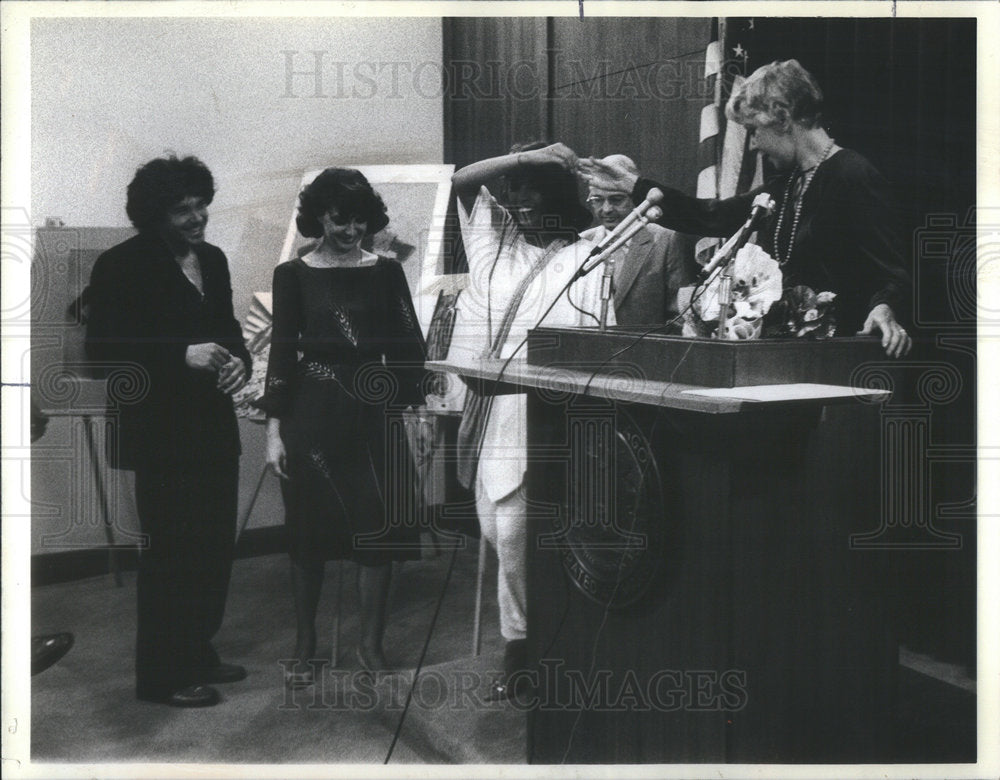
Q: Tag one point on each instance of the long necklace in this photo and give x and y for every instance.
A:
(806, 181)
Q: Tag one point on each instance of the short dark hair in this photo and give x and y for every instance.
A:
(345, 189)
(558, 187)
(161, 184)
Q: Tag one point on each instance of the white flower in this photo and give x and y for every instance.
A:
(756, 278)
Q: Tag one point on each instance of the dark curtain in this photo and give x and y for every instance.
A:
(901, 92)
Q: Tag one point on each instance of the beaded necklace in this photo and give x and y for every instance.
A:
(806, 181)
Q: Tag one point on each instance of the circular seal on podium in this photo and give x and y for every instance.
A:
(612, 534)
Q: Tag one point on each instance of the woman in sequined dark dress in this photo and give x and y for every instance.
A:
(834, 223)
(346, 356)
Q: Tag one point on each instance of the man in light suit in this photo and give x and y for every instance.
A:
(650, 268)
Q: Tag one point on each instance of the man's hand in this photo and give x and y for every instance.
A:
(207, 357)
(895, 340)
(603, 175)
(232, 376)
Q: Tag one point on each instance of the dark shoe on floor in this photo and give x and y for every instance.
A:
(192, 696)
(224, 673)
(514, 682)
(504, 688)
(49, 648)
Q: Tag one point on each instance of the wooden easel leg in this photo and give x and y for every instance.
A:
(102, 496)
(253, 500)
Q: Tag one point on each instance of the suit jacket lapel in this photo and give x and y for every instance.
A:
(638, 252)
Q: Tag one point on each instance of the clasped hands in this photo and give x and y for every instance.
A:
(601, 174)
(230, 371)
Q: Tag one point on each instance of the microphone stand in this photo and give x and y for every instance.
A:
(726, 256)
(725, 295)
(653, 213)
(607, 285)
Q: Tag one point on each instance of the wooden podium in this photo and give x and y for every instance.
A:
(694, 595)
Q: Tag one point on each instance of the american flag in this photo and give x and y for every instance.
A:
(726, 166)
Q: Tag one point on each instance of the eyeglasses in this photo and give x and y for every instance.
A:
(615, 201)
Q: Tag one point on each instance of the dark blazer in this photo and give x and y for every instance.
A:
(657, 264)
(144, 313)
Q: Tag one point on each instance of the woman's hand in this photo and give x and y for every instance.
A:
(603, 175)
(275, 448)
(207, 357)
(233, 376)
(895, 340)
(555, 154)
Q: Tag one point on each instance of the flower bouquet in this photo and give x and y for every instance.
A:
(758, 305)
(802, 313)
(755, 286)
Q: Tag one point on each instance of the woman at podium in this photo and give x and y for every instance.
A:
(833, 225)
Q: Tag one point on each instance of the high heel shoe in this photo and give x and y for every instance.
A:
(295, 680)
(305, 648)
(371, 663)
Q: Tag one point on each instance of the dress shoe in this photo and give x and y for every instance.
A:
(504, 688)
(224, 673)
(192, 696)
(514, 683)
(49, 648)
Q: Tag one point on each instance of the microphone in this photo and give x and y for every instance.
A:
(653, 197)
(593, 260)
(763, 204)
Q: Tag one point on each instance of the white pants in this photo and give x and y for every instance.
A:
(504, 523)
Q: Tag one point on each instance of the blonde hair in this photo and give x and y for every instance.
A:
(772, 93)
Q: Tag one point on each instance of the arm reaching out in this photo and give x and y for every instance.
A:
(604, 175)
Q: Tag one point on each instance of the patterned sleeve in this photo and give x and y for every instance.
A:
(283, 356)
(405, 349)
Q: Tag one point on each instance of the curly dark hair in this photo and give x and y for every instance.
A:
(558, 187)
(161, 184)
(346, 190)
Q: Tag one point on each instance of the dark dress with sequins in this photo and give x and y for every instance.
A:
(346, 358)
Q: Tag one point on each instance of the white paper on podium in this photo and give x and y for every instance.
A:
(792, 392)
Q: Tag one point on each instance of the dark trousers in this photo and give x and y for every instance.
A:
(188, 512)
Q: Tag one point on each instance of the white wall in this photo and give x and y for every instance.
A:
(110, 94)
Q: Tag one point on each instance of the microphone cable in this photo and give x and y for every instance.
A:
(423, 655)
(699, 290)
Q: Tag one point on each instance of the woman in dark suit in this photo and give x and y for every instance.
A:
(161, 305)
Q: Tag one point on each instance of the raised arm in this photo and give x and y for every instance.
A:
(467, 181)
